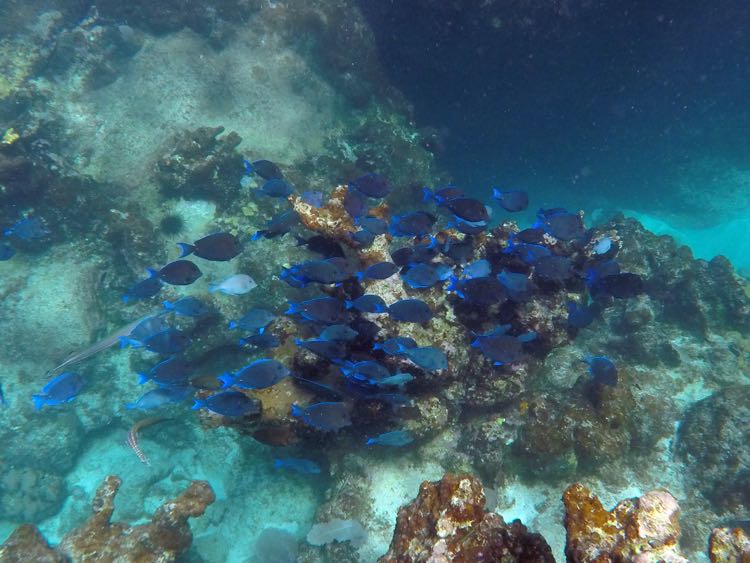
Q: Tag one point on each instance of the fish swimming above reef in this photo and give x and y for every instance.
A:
(441, 195)
(412, 224)
(396, 380)
(428, 358)
(166, 342)
(6, 252)
(255, 320)
(422, 276)
(341, 333)
(299, 465)
(561, 224)
(501, 348)
(379, 271)
(517, 285)
(467, 227)
(418, 253)
(263, 168)
(313, 198)
(316, 271)
(276, 187)
(219, 247)
(529, 253)
(144, 288)
(363, 238)
(261, 340)
(579, 315)
(477, 269)
(393, 346)
(29, 228)
(143, 329)
(372, 185)
(375, 225)
(160, 397)
(469, 209)
(486, 290)
(322, 245)
(395, 438)
(172, 371)
(278, 226)
(367, 371)
(410, 311)
(327, 349)
(458, 250)
(188, 307)
(238, 284)
(229, 403)
(180, 272)
(328, 310)
(511, 200)
(259, 374)
(603, 371)
(61, 389)
(354, 203)
(327, 416)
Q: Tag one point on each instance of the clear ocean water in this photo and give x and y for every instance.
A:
(315, 140)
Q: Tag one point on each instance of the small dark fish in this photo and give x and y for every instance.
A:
(341, 333)
(511, 200)
(410, 311)
(421, 276)
(529, 253)
(580, 316)
(259, 374)
(30, 228)
(255, 320)
(562, 225)
(602, 370)
(517, 285)
(229, 403)
(322, 245)
(144, 288)
(160, 397)
(299, 465)
(172, 371)
(180, 272)
(313, 198)
(327, 349)
(428, 357)
(469, 209)
(363, 238)
(219, 247)
(263, 340)
(276, 187)
(459, 251)
(379, 271)
(393, 346)
(329, 416)
(167, 342)
(62, 389)
(419, 253)
(278, 226)
(354, 203)
(372, 185)
(529, 236)
(263, 168)
(412, 224)
(623, 285)
(328, 310)
(441, 195)
(375, 225)
(317, 271)
(395, 438)
(553, 268)
(480, 291)
(6, 252)
(188, 307)
(318, 388)
(477, 269)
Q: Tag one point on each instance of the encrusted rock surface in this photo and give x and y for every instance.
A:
(447, 523)
(728, 545)
(99, 539)
(644, 529)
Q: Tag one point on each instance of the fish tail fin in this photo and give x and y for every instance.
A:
(242, 342)
(152, 273)
(278, 464)
(213, 287)
(300, 241)
(497, 194)
(142, 378)
(38, 401)
(298, 341)
(226, 380)
(453, 283)
(370, 442)
(167, 305)
(185, 249)
(427, 194)
(475, 343)
(257, 235)
(360, 276)
(296, 411)
(348, 304)
(131, 406)
(291, 310)
(232, 325)
(528, 336)
(125, 298)
(198, 404)
(261, 330)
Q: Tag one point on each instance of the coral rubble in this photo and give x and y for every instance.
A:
(641, 529)
(447, 522)
(163, 539)
(729, 546)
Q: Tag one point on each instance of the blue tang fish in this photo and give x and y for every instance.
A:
(229, 403)
(459, 251)
(168, 341)
(441, 195)
(276, 187)
(468, 209)
(62, 389)
(478, 269)
(30, 228)
(261, 340)
(372, 185)
(188, 307)
(144, 288)
(278, 226)
(300, 465)
(602, 370)
(516, 285)
(259, 374)
(379, 271)
(328, 349)
(263, 168)
(218, 247)
(342, 333)
(368, 303)
(480, 291)
(428, 357)
(396, 380)
(327, 416)
(145, 328)
(393, 346)
(501, 348)
(328, 310)
(363, 238)
(172, 371)
(511, 200)
(412, 224)
(580, 316)
(365, 371)
(354, 203)
(395, 438)
(6, 252)
(159, 397)
(410, 311)
(238, 284)
(180, 272)
(313, 198)
(375, 225)
(422, 276)
(255, 320)
(561, 224)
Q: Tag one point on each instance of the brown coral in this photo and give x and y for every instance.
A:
(162, 540)
(447, 522)
(728, 545)
(640, 529)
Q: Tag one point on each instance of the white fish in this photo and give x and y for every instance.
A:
(602, 246)
(238, 284)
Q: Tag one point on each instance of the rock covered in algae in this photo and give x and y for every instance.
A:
(447, 522)
(728, 545)
(163, 539)
(640, 529)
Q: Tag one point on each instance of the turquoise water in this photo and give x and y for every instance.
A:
(127, 129)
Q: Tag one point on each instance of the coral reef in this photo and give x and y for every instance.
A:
(163, 539)
(727, 545)
(641, 529)
(447, 522)
(28, 494)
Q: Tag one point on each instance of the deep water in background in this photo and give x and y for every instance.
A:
(598, 104)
